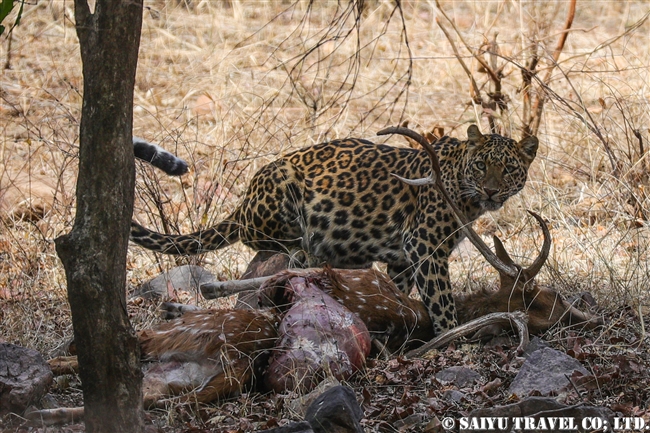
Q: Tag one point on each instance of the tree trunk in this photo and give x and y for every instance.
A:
(94, 252)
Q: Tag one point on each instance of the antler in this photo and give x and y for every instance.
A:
(516, 318)
(436, 180)
(434, 177)
(535, 267)
(531, 271)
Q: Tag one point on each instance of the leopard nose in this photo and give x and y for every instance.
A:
(491, 191)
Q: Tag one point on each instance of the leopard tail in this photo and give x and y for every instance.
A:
(213, 238)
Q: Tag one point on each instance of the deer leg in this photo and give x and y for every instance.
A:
(234, 378)
(56, 416)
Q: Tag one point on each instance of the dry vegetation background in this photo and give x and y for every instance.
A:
(230, 85)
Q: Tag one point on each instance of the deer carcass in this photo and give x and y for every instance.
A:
(207, 354)
(202, 355)
(318, 336)
(399, 321)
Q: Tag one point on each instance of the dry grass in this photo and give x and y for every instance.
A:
(223, 85)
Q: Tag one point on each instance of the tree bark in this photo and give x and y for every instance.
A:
(94, 252)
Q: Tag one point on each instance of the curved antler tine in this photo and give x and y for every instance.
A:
(501, 252)
(535, 267)
(415, 182)
(496, 262)
(420, 139)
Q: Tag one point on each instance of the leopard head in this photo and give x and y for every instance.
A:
(495, 167)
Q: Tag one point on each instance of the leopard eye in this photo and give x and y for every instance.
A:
(510, 168)
(480, 165)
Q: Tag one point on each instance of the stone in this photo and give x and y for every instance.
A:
(534, 345)
(454, 396)
(25, 377)
(462, 377)
(545, 371)
(335, 411)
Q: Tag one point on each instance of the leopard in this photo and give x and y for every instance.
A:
(343, 203)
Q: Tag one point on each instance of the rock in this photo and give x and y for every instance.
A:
(545, 371)
(543, 410)
(300, 404)
(454, 396)
(535, 344)
(24, 378)
(460, 376)
(335, 411)
(187, 277)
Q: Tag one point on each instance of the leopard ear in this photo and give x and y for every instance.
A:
(474, 135)
(528, 148)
